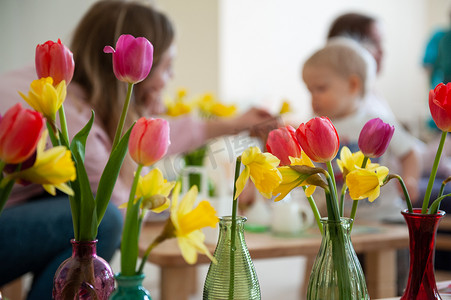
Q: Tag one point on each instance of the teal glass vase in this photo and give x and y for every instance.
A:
(233, 276)
(130, 288)
(336, 272)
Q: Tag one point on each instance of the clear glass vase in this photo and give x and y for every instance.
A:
(422, 232)
(84, 275)
(336, 272)
(231, 278)
(130, 288)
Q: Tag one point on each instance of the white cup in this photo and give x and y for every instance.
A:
(290, 217)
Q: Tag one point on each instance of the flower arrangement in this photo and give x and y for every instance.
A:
(148, 143)
(440, 108)
(23, 155)
(25, 159)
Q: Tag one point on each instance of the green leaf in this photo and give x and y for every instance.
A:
(435, 205)
(79, 141)
(110, 174)
(130, 238)
(87, 204)
(80, 187)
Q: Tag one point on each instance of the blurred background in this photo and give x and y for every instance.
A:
(251, 51)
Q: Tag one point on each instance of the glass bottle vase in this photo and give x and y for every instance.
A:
(84, 275)
(422, 232)
(336, 272)
(231, 278)
(130, 288)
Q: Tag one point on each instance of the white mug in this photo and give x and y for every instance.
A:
(290, 217)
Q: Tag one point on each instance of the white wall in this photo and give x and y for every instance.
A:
(265, 43)
(250, 51)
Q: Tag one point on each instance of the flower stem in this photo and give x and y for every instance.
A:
(63, 123)
(333, 212)
(120, 125)
(315, 211)
(427, 195)
(233, 231)
(129, 234)
(406, 193)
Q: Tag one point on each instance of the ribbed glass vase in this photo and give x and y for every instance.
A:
(336, 272)
(130, 288)
(84, 275)
(234, 276)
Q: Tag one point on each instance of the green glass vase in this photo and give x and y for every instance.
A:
(130, 288)
(336, 272)
(231, 278)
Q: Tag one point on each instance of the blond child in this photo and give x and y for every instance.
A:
(338, 77)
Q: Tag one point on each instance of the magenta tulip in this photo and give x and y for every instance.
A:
(132, 58)
(319, 139)
(149, 140)
(375, 137)
(54, 60)
(20, 130)
(282, 143)
(440, 106)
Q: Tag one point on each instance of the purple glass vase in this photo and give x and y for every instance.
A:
(422, 231)
(84, 275)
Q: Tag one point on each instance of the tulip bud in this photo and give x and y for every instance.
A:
(282, 143)
(20, 130)
(54, 60)
(132, 58)
(440, 106)
(319, 139)
(375, 137)
(149, 140)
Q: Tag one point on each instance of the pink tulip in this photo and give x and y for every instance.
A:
(282, 143)
(132, 58)
(375, 137)
(319, 139)
(20, 130)
(54, 60)
(149, 140)
(440, 106)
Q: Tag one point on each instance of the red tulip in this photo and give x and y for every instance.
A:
(20, 130)
(319, 139)
(54, 60)
(149, 140)
(375, 137)
(440, 106)
(132, 58)
(282, 143)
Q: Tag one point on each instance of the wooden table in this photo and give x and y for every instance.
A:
(378, 242)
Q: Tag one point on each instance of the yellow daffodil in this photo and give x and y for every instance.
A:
(262, 169)
(291, 178)
(285, 108)
(363, 183)
(154, 189)
(52, 168)
(189, 221)
(178, 108)
(349, 161)
(222, 110)
(45, 98)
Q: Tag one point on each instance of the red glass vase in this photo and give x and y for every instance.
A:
(422, 231)
(84, 275)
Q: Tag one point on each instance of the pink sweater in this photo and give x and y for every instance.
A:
(98, 145)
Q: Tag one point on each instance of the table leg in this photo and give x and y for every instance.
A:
(177, 283)
(380, 273)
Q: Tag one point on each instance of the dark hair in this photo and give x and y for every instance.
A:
(102, 25)
(353, 25)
